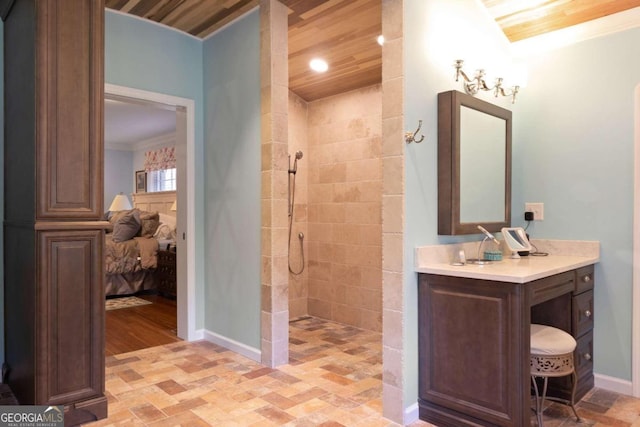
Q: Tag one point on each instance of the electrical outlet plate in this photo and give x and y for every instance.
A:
(537, 209)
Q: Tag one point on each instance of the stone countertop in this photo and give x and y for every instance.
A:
(563, 256)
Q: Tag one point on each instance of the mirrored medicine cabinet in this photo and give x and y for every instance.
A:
(474, 164)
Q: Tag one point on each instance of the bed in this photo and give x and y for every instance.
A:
(131, 248)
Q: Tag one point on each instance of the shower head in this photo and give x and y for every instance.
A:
(297, 157)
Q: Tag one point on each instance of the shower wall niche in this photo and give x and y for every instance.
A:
(341, 208)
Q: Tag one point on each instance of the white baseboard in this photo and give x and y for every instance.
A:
(613, 384)
(411, 414)
(235, 346)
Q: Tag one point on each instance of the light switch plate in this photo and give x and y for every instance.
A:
(537, 209)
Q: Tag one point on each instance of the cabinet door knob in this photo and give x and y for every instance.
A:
(586, 278)
(587, 356)
(587, 313)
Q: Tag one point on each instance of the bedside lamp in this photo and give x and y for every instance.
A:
(120, 203)
(173, 207)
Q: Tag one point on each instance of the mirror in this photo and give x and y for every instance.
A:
(474, 165)
(516, 239)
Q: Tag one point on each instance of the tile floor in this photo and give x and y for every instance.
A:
(333, 379)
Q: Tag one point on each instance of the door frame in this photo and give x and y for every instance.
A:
(186, 304)
(635, 316)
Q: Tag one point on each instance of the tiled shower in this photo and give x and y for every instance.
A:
(338, 207)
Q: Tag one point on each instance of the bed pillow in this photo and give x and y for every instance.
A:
(168, 219)
(126, 227)
(117, 215)
(167, 228)
(149, 222)
(114, 216)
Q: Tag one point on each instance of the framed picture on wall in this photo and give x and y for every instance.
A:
(141, 182)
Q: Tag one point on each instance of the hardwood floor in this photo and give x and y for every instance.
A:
(136, 328)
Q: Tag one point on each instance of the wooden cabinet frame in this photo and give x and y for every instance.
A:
(53, 233)
(474, 344)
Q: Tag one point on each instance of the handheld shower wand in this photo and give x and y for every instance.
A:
(291, 196)
(297, 157)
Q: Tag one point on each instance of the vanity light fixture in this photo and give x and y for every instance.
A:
(319, 65)
(380, 40)
(477, 83)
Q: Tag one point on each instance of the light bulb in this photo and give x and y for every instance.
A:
(319, 65)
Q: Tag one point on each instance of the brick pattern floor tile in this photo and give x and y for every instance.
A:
(333, 379)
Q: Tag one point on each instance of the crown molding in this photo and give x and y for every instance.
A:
(160, 141)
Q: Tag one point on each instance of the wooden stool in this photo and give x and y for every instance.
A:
(552, 356)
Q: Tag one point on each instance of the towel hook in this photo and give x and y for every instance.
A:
(411, 137)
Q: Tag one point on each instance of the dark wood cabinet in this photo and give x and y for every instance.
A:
(471, 352)
(53, 235)
(474, 344)
(580, 306)
(165, 275)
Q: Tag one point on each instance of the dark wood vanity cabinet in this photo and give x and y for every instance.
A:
(580, 326)
(474, 344)
(53, 233)
(472, 351)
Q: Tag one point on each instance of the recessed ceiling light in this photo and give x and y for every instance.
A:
(380, 39)
(319, 65)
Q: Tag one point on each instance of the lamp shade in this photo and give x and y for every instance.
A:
(173, 206)
(120, 203)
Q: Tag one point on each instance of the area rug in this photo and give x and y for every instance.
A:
(125, 302)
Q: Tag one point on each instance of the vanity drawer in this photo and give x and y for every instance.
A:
(551, 287)
(583, 360)
(584, 355)
(582, 308)
(584, 279)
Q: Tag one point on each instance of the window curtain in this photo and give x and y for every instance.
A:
(163, 158)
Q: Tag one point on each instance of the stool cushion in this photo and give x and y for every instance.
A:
(547, 340)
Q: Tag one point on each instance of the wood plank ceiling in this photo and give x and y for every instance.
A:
(520, 19)
(344, 32)
(198, 18)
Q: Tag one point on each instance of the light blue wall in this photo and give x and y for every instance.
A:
(436, 33)
(575, 153)
(222, 75)
(146, 56)
(572, 150)
(118, 175)
(232, 181)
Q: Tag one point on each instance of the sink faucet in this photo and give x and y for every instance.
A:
(487, 236)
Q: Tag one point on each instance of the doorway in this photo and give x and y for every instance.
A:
(635, 340)
(185, 198)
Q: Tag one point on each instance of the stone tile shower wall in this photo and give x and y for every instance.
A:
(298, 136)
(344, 209)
